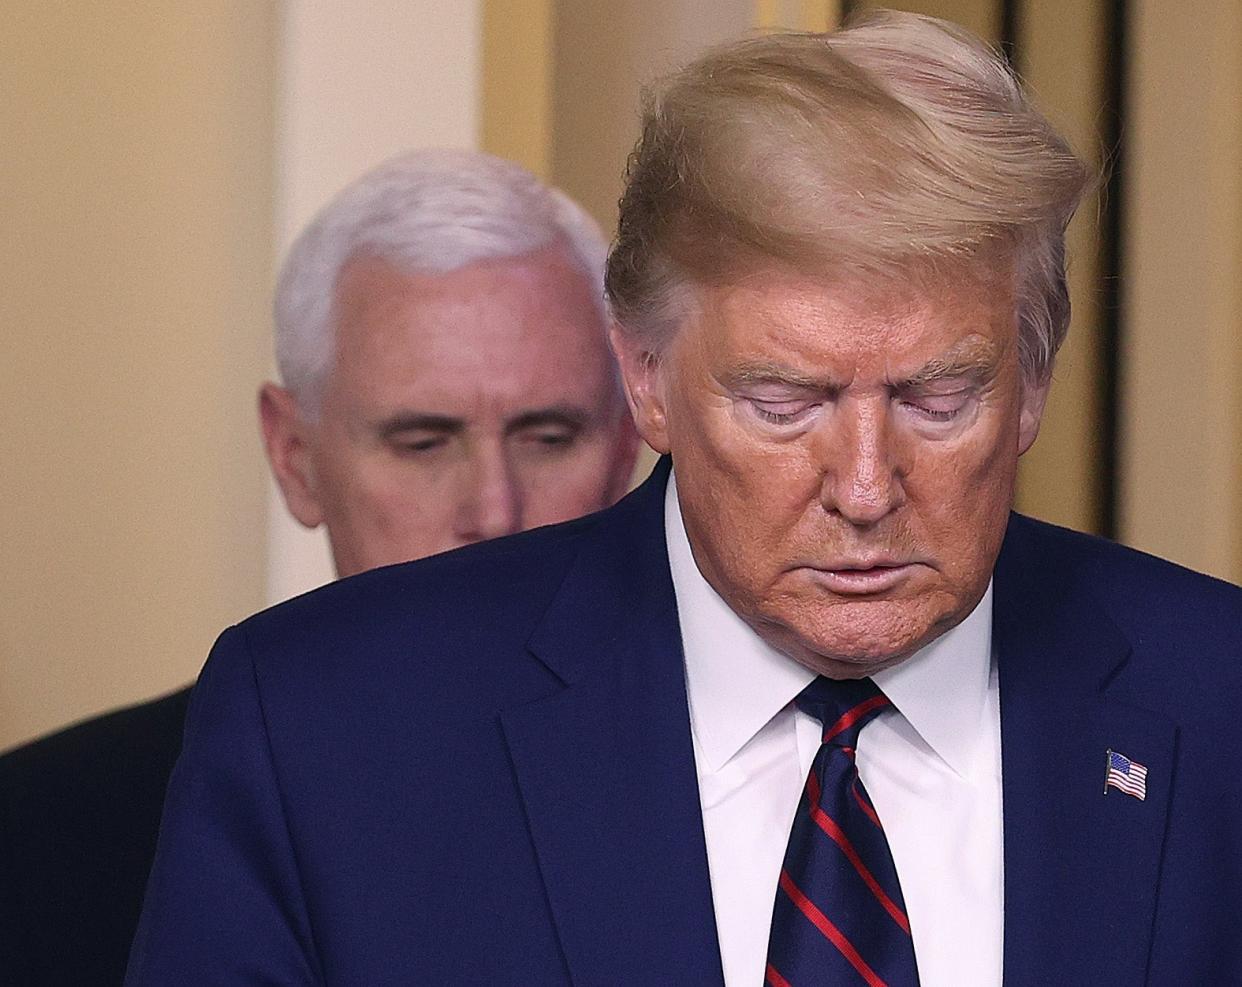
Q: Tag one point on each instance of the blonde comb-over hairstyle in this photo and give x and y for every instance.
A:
(897, 148)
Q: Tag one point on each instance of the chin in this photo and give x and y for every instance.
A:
(845, 668)
(856, 638)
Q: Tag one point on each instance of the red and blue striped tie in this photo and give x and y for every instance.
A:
(839, 917)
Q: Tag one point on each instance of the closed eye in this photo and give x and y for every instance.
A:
(938, 407)
(549, 438)
(420, 443)
(781, 412)
(416, 433)
(548, 430)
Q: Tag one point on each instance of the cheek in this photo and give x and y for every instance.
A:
(954, 478)
(388, 510)
(752, 492)
(709, 436)
(746, 506)
(960, 499)
(990, 472)
(382, 496)
(962, 473)
(568, 487)
(396, 523)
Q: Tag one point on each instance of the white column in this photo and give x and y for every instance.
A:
(358, 82)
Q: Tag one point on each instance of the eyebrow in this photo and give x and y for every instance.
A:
(563, 416)
(974, 359)
(771, 373)
(414, 421)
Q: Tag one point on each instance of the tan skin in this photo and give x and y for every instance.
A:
(459, 407)
(845, 457)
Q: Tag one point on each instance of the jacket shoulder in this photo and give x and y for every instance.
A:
(1120, 573)
(456, 612)
(79, 814)
(142, 734)
(98, 782)
(1173, 617)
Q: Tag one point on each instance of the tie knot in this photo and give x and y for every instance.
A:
(843, 706)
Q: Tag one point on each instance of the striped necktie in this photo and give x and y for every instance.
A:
(839, 917)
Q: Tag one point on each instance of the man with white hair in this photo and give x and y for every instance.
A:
(441, 336)
(811, 706)
(442, 341)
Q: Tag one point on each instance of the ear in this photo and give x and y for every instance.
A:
(640, 373)
(286, 438)
(1031, 413)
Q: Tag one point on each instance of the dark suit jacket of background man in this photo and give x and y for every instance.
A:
(478, 768)
(79, 815)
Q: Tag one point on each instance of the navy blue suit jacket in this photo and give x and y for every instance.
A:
(79, 814)
(478, 768)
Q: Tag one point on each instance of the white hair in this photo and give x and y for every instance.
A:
(427, 212)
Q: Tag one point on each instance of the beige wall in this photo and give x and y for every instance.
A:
(605, 51)
(136, 257)
(160, 165)
(1060, 479)
(797, 15)
(1182, 436)
(515, 98)
(980, 16)
(157, 162)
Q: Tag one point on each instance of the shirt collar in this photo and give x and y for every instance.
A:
(736, 682)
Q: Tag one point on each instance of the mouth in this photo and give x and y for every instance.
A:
(863, 577)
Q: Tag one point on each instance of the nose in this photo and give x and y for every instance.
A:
(862, 477)
(489, 498)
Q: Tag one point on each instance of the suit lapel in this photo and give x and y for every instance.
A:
(606, 766)
(1081, 866)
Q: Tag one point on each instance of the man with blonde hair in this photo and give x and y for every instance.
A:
(809, 707)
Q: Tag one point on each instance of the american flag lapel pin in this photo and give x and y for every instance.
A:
(1125, 775)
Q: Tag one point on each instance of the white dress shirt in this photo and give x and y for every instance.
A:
(931, 765)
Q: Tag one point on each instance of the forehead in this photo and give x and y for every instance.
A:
(893, 319)
(517, 328)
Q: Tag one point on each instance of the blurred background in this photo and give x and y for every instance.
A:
(158, 157)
